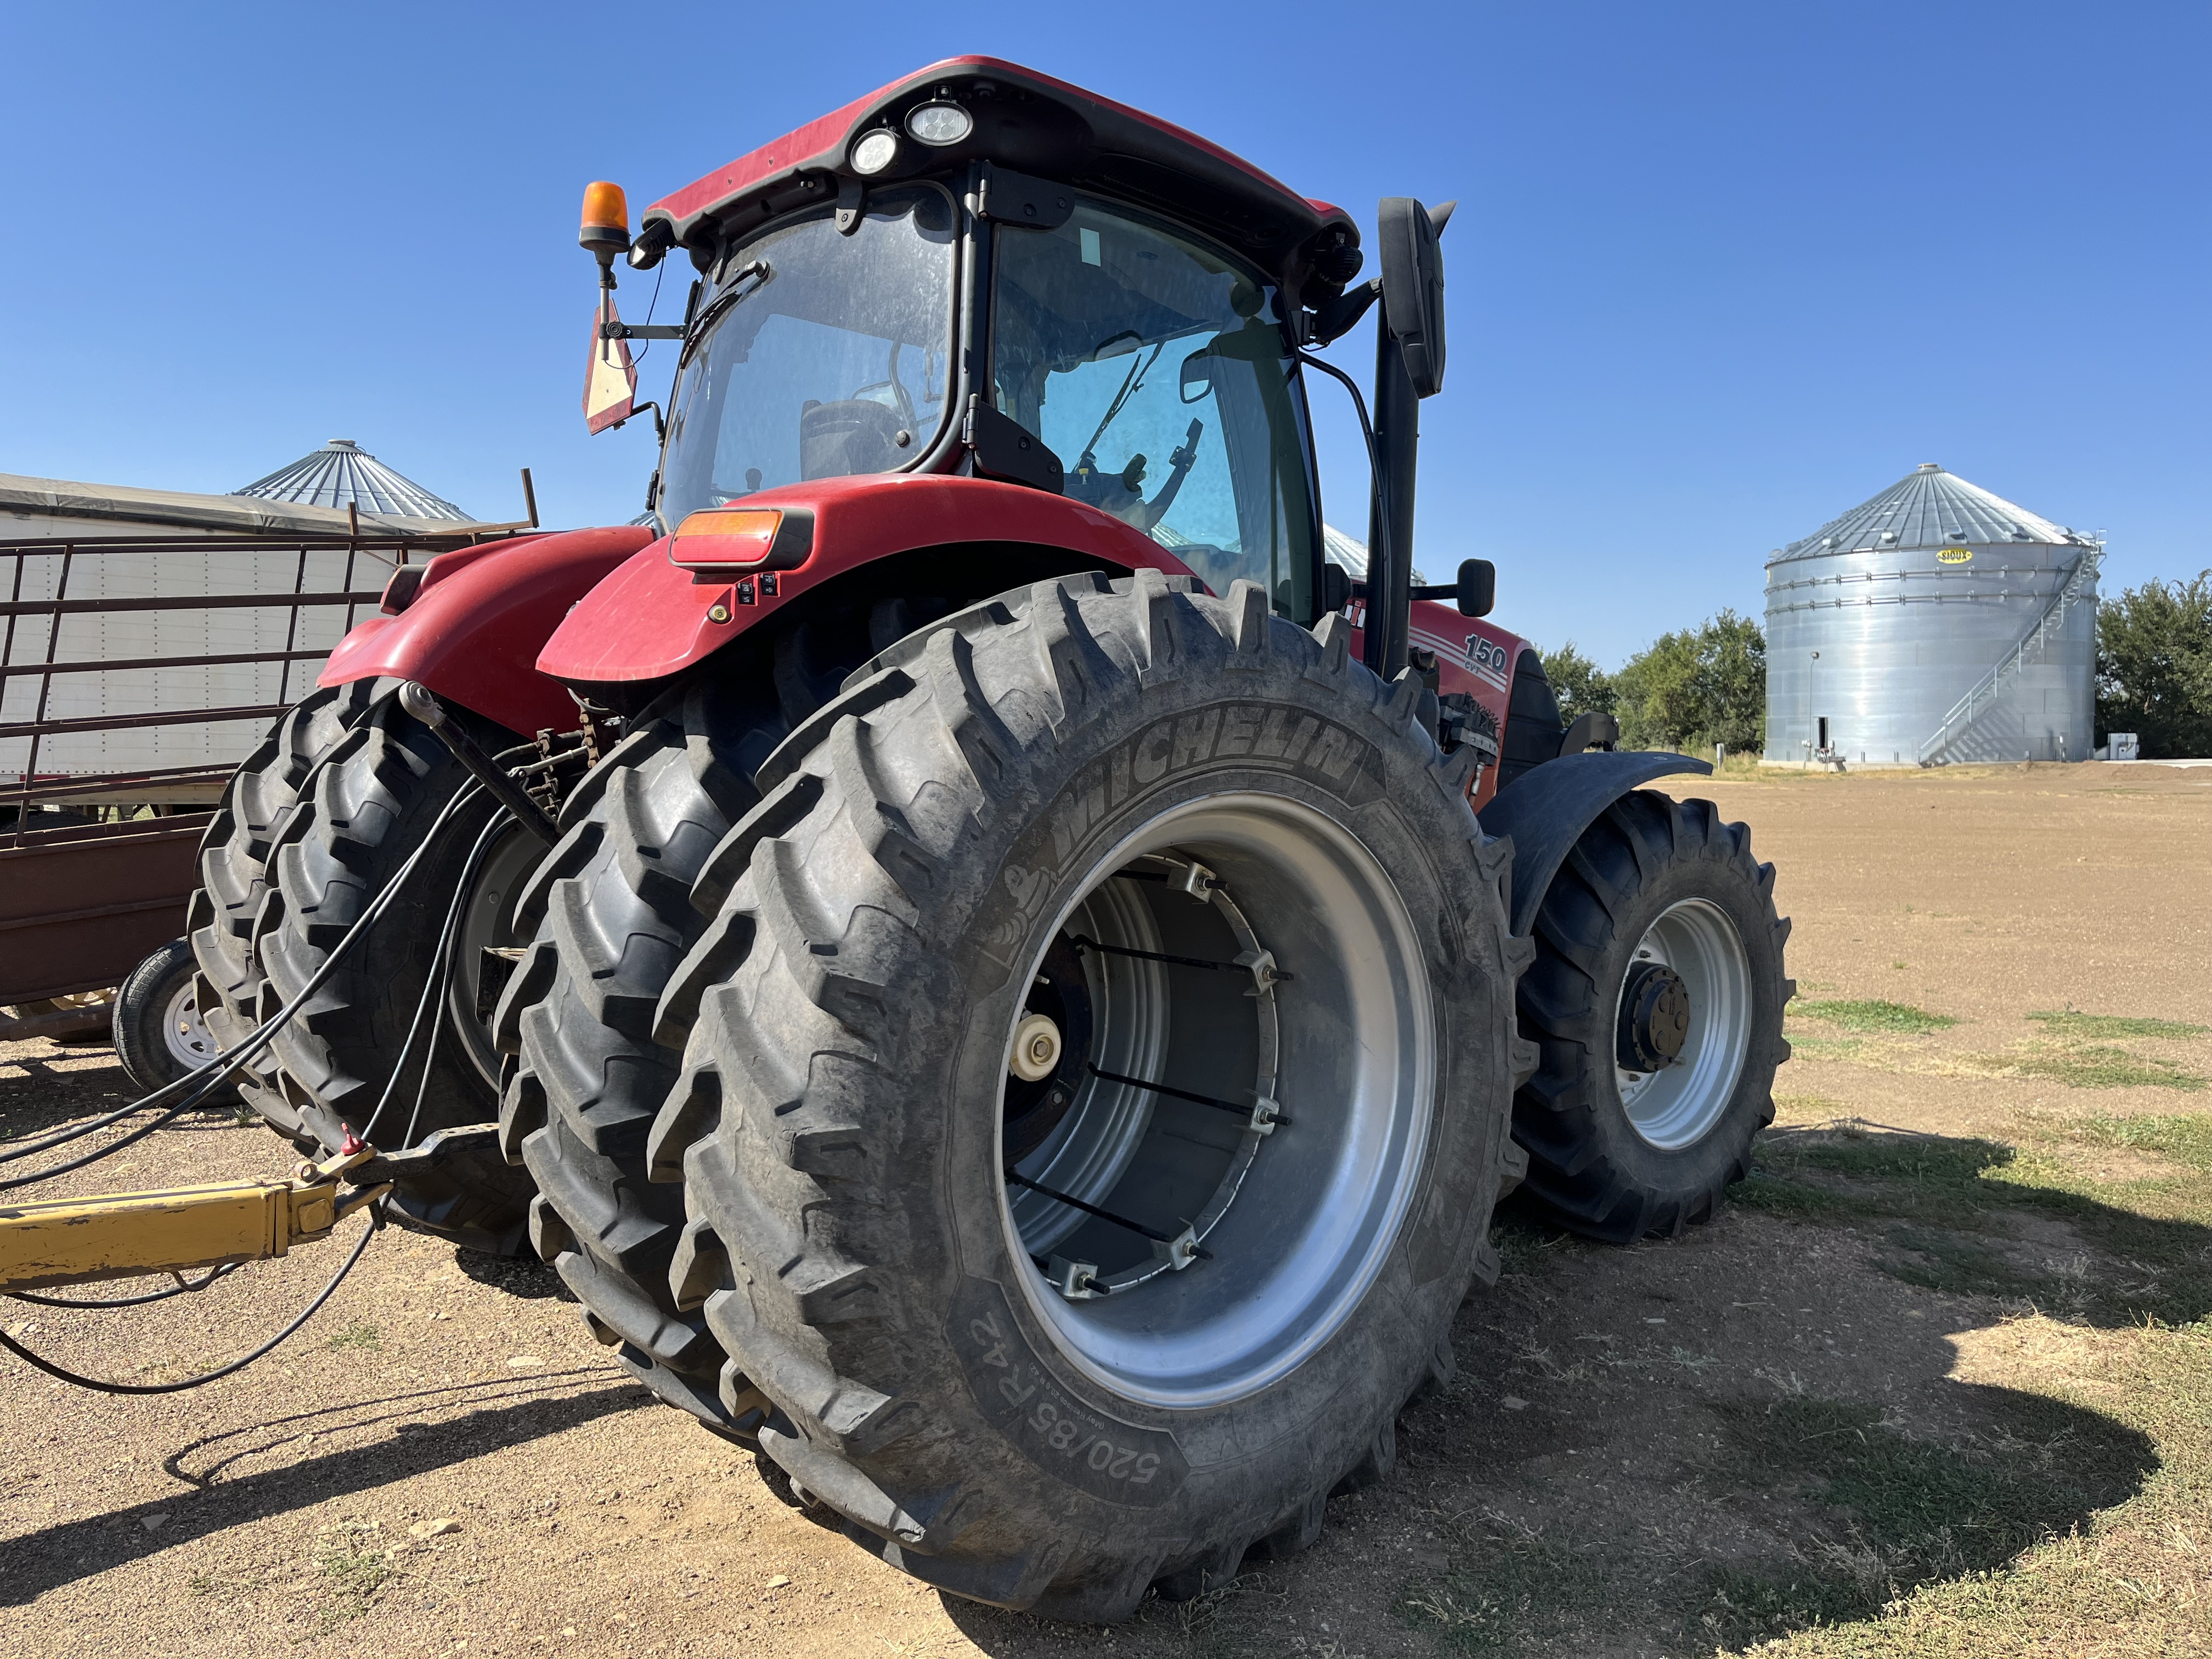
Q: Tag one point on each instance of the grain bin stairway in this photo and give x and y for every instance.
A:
(2080, 584)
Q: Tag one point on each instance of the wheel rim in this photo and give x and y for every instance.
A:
(488, 924)
(1679, 1103)
(1269, 1220)
(183, 1032)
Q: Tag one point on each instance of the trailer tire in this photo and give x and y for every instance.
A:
(366, 809)
(608, 914)
(160, 1036)
(847, 1019)
(1616, 1153)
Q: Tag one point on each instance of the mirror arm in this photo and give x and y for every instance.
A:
(1333, 318)
(641, 331)
(659, 429)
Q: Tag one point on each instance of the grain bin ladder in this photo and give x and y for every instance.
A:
(1983, 695)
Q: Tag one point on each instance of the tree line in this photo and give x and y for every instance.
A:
(1686, 691)
(2154, 667)
(1691, 688)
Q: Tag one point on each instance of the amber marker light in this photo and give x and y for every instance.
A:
(734, 538)
(606, 219)
(719, 536)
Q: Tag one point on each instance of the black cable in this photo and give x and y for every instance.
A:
(651, 306)
(182, 1287)
(436, 988)
(207, 1077)
(375, 1225)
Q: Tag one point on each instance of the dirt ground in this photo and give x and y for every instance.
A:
(1939, 1391)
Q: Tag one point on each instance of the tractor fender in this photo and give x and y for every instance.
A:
(1547, 809)
(472, 625)
(652, 617)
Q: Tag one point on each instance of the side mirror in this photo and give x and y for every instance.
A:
(1478, 588)
(1414, 287)
(1197, 374)
(1335, 588)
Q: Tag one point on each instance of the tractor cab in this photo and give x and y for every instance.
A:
(981, 270)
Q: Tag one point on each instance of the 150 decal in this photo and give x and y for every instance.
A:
(1489, 659)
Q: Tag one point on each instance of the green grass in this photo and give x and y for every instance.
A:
(1510, 1588)
(2123, 1578)
(2107, 1027)
(1949, 1210)
(2184, 1140)
(353, 1571)
(1903, 1511)
(2091, 1067)
(1874, 1015)
(358, 1336)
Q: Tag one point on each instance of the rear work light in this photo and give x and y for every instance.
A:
(725, 538)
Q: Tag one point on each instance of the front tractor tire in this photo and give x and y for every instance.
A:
(314, 826)
(1094, 1088)
(1655, 1001)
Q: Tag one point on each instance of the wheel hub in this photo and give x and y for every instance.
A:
(1654, 1018)
(1215, 1170)
(1683, 1031)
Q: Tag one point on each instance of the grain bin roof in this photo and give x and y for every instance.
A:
(121, 510)
(342, 472)
(1929, 507)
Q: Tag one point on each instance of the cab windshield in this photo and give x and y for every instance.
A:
(824, 355)
(1157, 370)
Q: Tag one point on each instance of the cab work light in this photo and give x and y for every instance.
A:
(721, 538)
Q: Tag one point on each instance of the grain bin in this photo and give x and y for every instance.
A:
(1932, 624)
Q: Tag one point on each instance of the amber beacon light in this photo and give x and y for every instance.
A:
(606, 230)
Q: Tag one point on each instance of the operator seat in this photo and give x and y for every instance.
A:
(851, 435)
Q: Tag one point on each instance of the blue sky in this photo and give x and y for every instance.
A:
(1719, 272)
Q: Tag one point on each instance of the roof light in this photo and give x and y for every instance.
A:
(940, 124)
(876, 151)
(606, 218)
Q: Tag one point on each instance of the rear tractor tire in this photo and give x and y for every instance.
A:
(357, 814)
(610, 916)
(1095, 1089)
(1655, 1000)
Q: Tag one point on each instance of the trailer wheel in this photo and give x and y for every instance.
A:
(159, 1035)
(1655, 1000)
(610, 916)
(366, 807)
(1095, 1090)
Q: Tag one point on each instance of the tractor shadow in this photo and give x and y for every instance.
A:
(1708, 1443)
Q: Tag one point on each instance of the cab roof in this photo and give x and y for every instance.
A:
(1033, 124)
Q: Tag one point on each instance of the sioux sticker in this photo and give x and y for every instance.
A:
(1956, 555)
(1488, 660)
(1098, 1454)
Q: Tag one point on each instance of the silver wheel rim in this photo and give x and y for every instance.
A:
(1271, 1232)
(1678, 1105)
(189, 1043)
(488, 924)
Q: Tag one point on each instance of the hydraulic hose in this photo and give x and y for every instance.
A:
(100, 1385)
(200, 1082)
(435, 989)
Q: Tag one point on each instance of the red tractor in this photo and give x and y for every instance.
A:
(1010, 985)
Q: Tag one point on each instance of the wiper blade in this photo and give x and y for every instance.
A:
(719, 306)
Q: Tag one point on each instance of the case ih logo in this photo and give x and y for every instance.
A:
(1487, 659)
